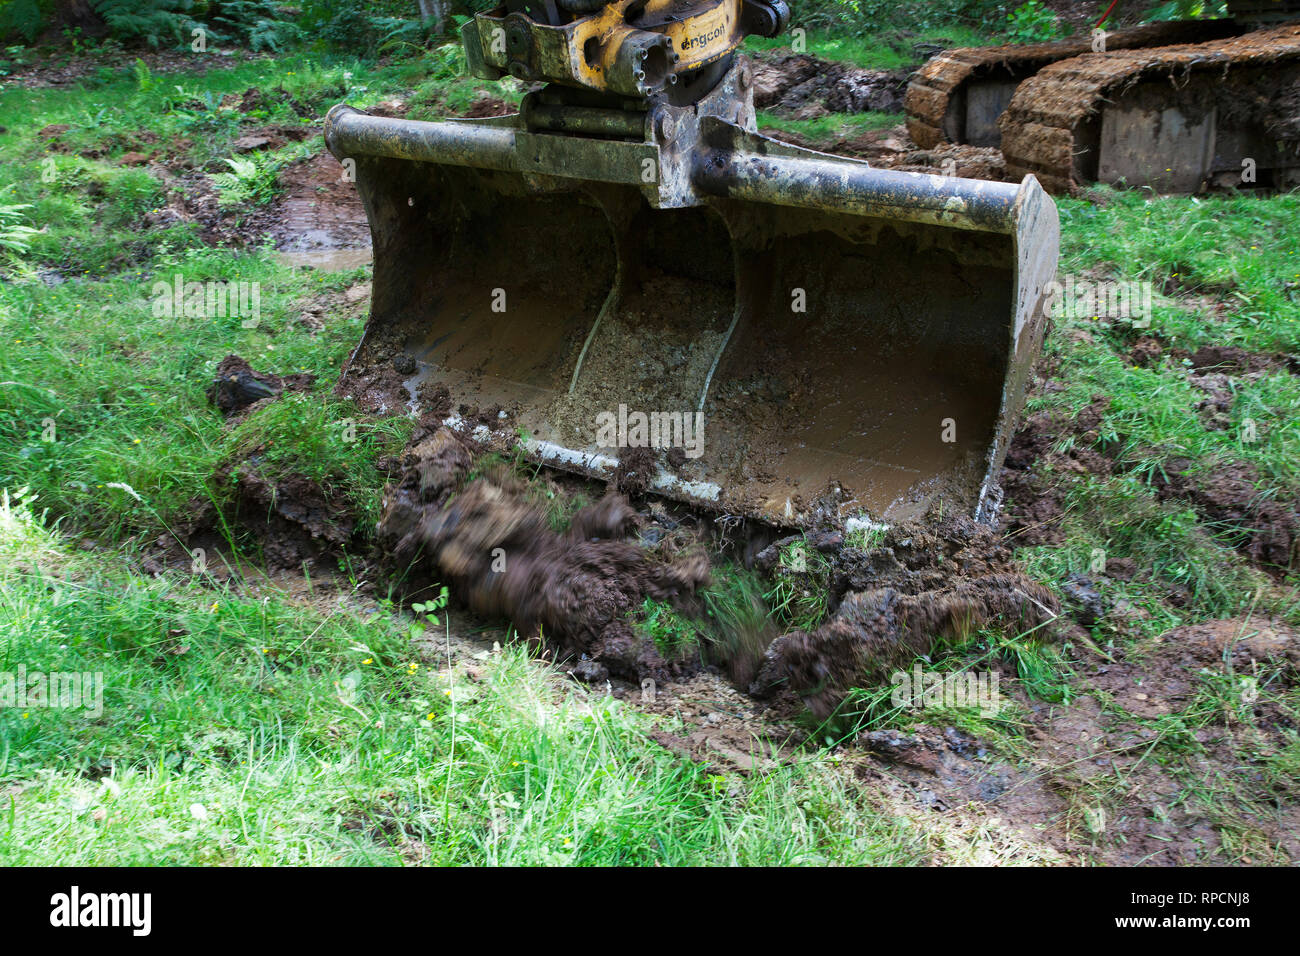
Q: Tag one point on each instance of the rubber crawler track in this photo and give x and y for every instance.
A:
(935, 84)
(1042, 125)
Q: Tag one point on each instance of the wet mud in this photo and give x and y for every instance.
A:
(237, 385)
(805, 87)
(1231, 497)
(923, 586)
(569, 591)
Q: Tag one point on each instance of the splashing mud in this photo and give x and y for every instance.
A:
(498, 552)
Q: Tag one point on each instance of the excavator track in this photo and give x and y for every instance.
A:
(1173, 118)
(956, 97)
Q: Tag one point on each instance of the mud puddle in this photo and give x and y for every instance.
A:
(319, 220)
(328, 260)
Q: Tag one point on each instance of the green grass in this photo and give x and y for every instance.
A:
(832, 127)
(737, 618)
(242, 730)
(798, 591)
(124, 390)
(325, 440)
(674, 635)
(1243, 251)
(885, 50)
(1044, 671)
(1231, 267)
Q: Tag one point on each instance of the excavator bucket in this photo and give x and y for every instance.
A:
(721, 318)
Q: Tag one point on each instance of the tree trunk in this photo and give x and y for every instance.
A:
(435, 10)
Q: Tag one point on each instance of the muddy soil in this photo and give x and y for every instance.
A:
(317, 219)
(1032, 506)
(1092, 784)
(1231, 498)
(802, 86)
(295, 523)
(893, 149)
(238, 385)
(496, 550)
(1263, 527)
(319, 212)
(1088, 781)
(924, 585)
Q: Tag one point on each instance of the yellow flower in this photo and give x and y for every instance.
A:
(368, 660)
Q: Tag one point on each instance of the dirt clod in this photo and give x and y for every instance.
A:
(876, 631)
(238, 385)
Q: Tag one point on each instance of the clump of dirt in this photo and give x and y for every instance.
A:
(271, 137)
(636, 470)
(496, 549)
(375, 388)
(923, 585)
(1032, 508)
(293, 521)
(1147, 351)
(238, 385)
(251, 99)
(806, 87)
(1230, 360)
(875, 632)
(1230, 496)
(489, 106)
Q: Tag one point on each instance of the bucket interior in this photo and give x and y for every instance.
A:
(836, 360)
